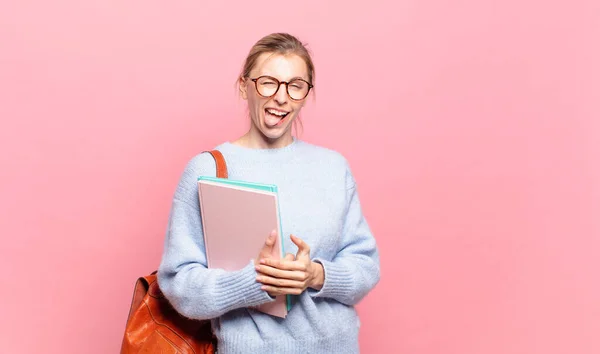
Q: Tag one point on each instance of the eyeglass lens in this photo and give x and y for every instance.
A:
(268, 86)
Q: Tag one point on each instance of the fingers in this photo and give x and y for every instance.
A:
(275, 291)
(271, 239)
(286, 276)
(289, 257)
(280, 283)
(282, 264)
(299, 275)
(303, 248)
(267, 248)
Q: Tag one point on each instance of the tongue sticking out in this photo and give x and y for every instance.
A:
(273, 120)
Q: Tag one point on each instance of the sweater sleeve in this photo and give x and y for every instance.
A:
(194, 290)
(354, 271)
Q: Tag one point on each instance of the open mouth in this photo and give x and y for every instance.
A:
(274, 117)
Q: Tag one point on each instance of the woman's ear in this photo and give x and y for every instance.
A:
(243, 88)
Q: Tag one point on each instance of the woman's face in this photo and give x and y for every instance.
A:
(272, 117)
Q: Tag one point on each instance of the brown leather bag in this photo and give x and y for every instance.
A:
(154, 326)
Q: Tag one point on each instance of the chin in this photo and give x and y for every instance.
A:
(274, 134)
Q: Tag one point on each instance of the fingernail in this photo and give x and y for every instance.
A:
(257, 268)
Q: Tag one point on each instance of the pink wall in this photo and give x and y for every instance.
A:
(485, 116)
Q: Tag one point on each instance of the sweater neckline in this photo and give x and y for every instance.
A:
(262, 152)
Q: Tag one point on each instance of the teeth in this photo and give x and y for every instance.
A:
(277, 113)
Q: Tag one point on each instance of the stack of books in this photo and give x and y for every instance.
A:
(237, 217)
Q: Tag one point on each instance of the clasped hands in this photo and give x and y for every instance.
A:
(290, 275)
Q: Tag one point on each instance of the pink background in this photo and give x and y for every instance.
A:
(473, 128)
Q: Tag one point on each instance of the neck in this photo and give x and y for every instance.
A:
(257, 140)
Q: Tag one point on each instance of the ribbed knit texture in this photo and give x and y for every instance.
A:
(319, 203)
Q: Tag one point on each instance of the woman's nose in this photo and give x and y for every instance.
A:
(281, 94)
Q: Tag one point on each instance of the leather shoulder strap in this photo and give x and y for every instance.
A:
(221, 164)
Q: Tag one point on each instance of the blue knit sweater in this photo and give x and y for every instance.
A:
(318, 203)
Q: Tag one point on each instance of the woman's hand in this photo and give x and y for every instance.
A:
(289, 275)
(267, 250)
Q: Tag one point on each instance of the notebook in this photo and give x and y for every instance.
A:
(237, 217)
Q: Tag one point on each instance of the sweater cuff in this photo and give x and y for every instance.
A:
(338, 283)
(240, 289)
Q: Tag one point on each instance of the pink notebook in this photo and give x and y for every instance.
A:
(237, 218)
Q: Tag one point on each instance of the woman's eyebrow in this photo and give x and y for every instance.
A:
(291, 79)
(297, 77)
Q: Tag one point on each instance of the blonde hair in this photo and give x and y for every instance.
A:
(283, 44)
(278, 43)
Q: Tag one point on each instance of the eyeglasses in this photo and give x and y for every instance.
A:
(267, 87)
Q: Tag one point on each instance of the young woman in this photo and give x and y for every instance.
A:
(336, 261)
